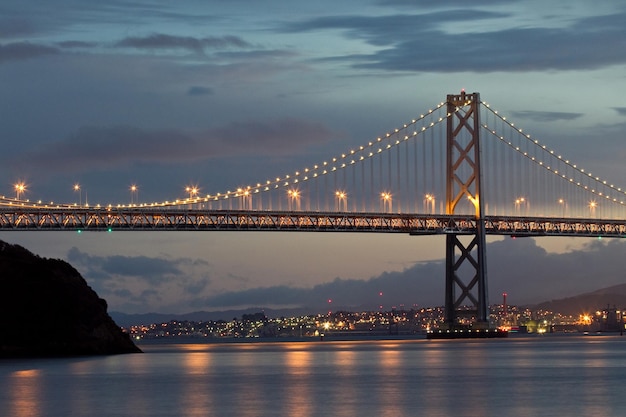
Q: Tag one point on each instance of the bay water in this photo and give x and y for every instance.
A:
(551, 375)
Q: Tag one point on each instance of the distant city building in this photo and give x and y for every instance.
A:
(376, 323)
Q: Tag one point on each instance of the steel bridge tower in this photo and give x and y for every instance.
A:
(466, 275)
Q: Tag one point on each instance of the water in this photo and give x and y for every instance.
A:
(518, 376)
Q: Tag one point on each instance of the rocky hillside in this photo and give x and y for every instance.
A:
(47, 309)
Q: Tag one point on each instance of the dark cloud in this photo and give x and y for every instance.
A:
(420, 43)
(200, 91)
(546, 116)
(197, 45)
(435, 5)
(15, 27)
(24, 50)
(391, 29)
(620, 110)
(155, 271)
(99, 148)
(417, 285)
(76, 44)
(527, 272)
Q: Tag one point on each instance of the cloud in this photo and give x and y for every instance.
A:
(620, 110)
(15, 27)
(18, 51)
(76, 44)
(200, 91)
(422, 43)
(527, 272)
(152, 270)
(105, 148)
(160, 41)
(448, 3)
(546, 116)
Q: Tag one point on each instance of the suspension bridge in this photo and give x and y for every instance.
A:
(460, 169)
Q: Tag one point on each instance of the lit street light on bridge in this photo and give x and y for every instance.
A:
(429, 203)
(192, 190)
(592, 208)
(294, 197)
(80, 193)
(246, 199)
(518, 205)
(563, 204)
(386, 200)
(134, 190)
(342, 196)
(20, 188)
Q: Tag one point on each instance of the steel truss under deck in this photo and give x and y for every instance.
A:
(95, 219)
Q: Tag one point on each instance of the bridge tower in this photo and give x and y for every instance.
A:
(466, 275)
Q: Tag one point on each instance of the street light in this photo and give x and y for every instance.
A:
(518, 205)
(592, 208)
(133, 194)
(192, 190)
(429, 203)
(294, 196)
(342, 196)
(80, 194)
(386, 200)
(20, 188)
(246, 199)
(563, 204)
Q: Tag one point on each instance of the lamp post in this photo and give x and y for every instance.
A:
(20, 188)
(429, 203)
(342, 196)
(592, 208)
(134, 190)
(246, 199)
(294, 197)
(80, 193)
(192, 190)
(386, 200)
(563, 204)
(518, 205)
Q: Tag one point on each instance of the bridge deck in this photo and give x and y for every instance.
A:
(136, 219)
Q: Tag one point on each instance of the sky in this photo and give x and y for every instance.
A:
(167, 94)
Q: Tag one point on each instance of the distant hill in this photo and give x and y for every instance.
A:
(614, 296)
(47, 309)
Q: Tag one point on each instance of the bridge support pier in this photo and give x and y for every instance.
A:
(466, 300)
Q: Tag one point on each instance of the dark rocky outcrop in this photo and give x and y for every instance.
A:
(47, 309)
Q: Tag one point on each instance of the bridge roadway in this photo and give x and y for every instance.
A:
(179, 219)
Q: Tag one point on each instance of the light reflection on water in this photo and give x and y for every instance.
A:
(525, 376)
(24, 393)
